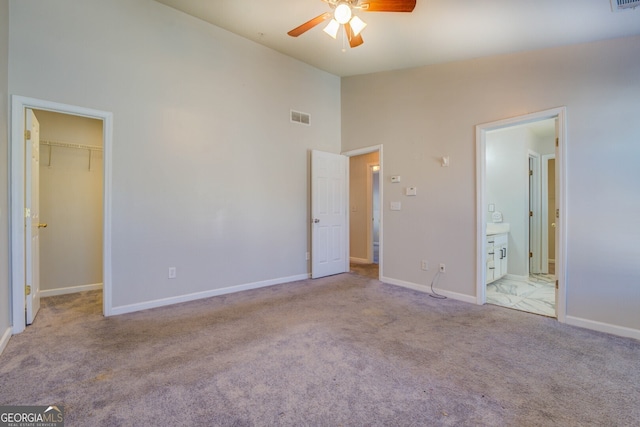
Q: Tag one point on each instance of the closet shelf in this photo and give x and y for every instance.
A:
(90, 148)
(70, 145)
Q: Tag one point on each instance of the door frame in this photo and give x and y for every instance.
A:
(544, 199)
(19, 104)
(561, 226)
(358, 152)
(534, 221)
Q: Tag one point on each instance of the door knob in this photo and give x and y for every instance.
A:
(42, 225)
(316, 220)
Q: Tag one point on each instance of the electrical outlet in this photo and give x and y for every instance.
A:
(172, 273)
(443, 269)
(424, 265)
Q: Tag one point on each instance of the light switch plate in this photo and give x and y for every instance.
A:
(395, 206)
(411, 191)
(396, 178)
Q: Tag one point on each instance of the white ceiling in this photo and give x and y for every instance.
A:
(436, 31)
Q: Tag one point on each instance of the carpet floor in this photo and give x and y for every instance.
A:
(344, 350)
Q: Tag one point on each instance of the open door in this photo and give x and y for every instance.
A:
(329, 238)
(32, 215)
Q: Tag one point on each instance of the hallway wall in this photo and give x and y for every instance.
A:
(359, 200)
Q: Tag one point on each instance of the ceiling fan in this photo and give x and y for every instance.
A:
(343, 15)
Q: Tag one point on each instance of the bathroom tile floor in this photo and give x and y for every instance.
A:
(537, 295)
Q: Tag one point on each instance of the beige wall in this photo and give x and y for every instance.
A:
(70, 202)
(359, 201)
(432, 111)
(209, 174)
(5, 294)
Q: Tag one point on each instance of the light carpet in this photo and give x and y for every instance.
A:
(339, 351)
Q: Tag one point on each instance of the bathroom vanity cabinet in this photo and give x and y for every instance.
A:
(497, 256)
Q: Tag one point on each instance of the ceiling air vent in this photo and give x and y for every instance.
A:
(621, 5)
(299, 117)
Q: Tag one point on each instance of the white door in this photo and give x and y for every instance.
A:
(329, 216)
(32, 214)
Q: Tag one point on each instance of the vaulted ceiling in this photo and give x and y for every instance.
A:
(436, 31)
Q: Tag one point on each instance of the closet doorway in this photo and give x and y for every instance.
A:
(75, 154)
(71, 182)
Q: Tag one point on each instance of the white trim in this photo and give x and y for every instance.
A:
(367, 150)
(561, 164)
(16, 201)
(359, 260)
(608, 328)
(5, 339)
(123, 309)
(427, 289)
(69, 290)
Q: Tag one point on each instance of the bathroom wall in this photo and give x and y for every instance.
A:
(70, 202)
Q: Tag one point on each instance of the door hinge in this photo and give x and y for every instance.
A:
(27, 290)
(530, 254)
(530, 213)
(557, 141)
(27, 213)
(27, 134)
(530, 172)
(557, 213)
(556, 284)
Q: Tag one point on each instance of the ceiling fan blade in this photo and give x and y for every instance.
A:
(388, 5)
(309, 24)
(354, 40)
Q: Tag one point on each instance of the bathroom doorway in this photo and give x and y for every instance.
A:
(513, 213)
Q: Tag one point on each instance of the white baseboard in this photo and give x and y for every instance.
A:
(359, 260)
(427, 289)
(4, 340)
(608, 328)
(69, 290)
(206, 294)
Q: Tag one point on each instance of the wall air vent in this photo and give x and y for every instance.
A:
(302, 118)
(621, 5)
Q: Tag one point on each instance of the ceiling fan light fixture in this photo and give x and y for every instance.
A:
(342, 14)
(357, 25)
(332, 28)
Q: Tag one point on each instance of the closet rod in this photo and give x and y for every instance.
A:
(70, 145)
